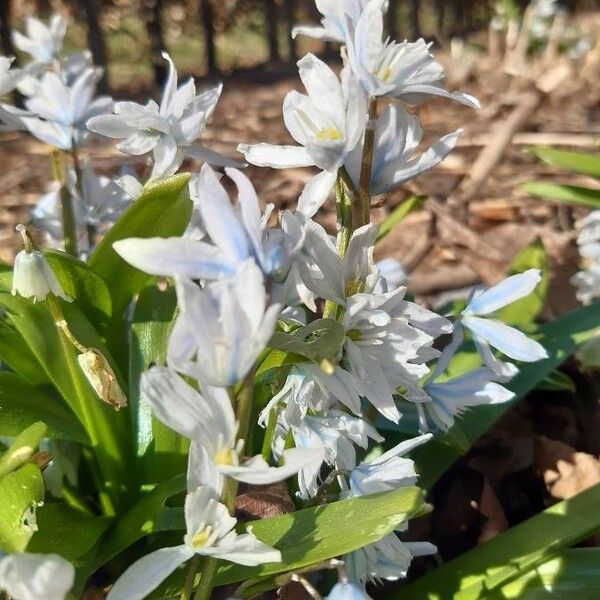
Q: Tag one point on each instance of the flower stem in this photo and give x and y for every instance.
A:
(205, 588)
(361, 207)
(244, 408)
(67, 214)
(188, 588)
(91, 229)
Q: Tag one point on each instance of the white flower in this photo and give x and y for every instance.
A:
(333, 23)
(8, 77)
(490, 332)
(36, 576)
(587, 281)
(348, 591)
(397, 136)
(42, 42)
(34, 278)
(388, 559)
(388, 343)
(405, 70)
(222, 328)
(333, 437)
(328, 275)
(168, 130)
(446, 400)
(327, 124)
(389, 471)
(207, 419)
(210, 532)
(391, 275)
(237, 235)
(58, 112)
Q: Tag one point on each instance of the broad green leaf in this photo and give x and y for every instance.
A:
(107, 429)
(320, 341)
(399, 214)
(278, 358)
(557, 382)
(523, 313)
(589, 354)
(22, 448)
(488, 567)
(573, 575)
(65, 531)
(162, 451)
(571, 194)
(163, 210)
(560, 338)
(87, 288)
(149, 515)
(20, 492)
(317, 534)
(577, 162)
(22, 404)
(15, 353)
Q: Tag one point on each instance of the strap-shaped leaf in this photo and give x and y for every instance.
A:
(21, 405)
(571, 194)
(487, 568)
(22, 448)
(399, 214)
(578, 162)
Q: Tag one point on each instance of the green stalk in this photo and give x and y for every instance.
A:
(270, 430)
(361, 207)
(209, 570)
(67, 215)
(91, 230)
(188, 588)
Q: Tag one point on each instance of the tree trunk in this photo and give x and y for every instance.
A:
(271, 14)
(415, 27)
(153, 9)
(8, 48)
(392, 19)
(290, 6)
(207, 18)
(96, 41)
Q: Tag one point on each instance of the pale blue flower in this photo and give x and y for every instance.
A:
(489, 332)
(210, 532)
(397, 136)
(8, 77)
(25, 576)
(236, 235)
(168, 130)
(587, 281)
(348, 591)
(327, 124)
(405, 70)
(222, 328)
(42, 42)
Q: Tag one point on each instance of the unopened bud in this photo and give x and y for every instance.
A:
(102, 378)
(33, 276)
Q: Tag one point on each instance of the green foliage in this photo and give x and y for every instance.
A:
(21, 405)
(512, 555)
(21, 491)
(570, 194)
(163, 210)
(22, 448)
(577, 162)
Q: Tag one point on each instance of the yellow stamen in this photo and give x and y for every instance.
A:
(224, 457)
(329, 134)
(201, 537)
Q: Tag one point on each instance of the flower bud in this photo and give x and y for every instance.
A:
(102, 378)
(32, 275)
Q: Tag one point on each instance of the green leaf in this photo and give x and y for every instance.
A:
(523, 313)
(149, 515)
(65, 531)
(88, 289)
(577, 162)
(573, 575)
(15, 353)
(557, 382)
(317, 534)
(399, 214)
(571, 194)
(487, 568)
(320, 341)
(22, 404)
(22, 448)
(163, 210)
(161, 450)
(107, 430)
(20, 491)
(560, 338)
(275, 359)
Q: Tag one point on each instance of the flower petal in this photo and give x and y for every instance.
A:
(276, 157)
(316, 192)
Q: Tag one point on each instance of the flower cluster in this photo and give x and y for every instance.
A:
(250, 282)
